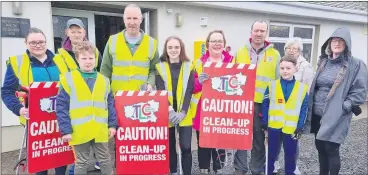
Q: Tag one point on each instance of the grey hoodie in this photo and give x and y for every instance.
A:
(349, 89)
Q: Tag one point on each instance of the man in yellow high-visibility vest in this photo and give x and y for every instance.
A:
(130, 56)
(260, 52)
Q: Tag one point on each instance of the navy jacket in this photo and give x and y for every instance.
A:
(63, 104)
(46, 71)
(287, 87)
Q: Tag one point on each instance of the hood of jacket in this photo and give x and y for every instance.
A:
(343, 33)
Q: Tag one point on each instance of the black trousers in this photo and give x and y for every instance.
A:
(328, 152)
(205, 154)
(329, 157)
(58, 171)
(185, 141)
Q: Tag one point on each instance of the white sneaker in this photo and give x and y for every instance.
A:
(297, 170)
(277, 167)
(97, 166)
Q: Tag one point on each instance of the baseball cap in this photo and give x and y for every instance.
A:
(75, 21)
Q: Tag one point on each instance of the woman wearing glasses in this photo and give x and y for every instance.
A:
(35, 65)
(215, 44)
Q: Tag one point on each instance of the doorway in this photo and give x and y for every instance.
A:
(105, 26)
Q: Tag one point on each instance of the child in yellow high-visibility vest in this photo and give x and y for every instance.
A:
(85, 111)
(284, 111)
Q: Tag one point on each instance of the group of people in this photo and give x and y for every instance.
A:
(290, 99)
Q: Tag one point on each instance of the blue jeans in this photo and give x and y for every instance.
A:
(58, 171)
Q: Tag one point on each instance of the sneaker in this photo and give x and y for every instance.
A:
(297, 171)
(97, 165)
(71, 171)
(277, 167)
(204, 171)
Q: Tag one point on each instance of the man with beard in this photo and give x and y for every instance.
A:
(130, 56)
(257, 51)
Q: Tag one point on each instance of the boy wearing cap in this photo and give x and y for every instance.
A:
(75, 33)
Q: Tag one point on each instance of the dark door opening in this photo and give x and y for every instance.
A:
(105, 26)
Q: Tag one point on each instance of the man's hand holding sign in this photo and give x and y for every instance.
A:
(227, 106)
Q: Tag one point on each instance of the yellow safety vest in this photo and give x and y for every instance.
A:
(164, 71)
(285, 115)
(65, 61)
(195, 97)
(130, 72)
(265, 69)
(88, 110)
(23, 71)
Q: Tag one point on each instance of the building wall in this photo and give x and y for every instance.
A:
(40, 16)
(236, 26)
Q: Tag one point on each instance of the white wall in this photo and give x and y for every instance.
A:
(40, 18)
(236, 26)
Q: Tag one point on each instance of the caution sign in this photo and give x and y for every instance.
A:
(142, 140)
(45, 147)
(227, 106)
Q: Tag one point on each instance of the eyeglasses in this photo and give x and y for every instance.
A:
(337, 40)
(35, 43)
(216, 41)
(292, 49)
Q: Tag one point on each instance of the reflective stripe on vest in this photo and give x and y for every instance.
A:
(164, 71)
(195, 97)
(129, 71)
(23, 71)
(265, 69)
(63, 56)
(283, 114)
(88, 110)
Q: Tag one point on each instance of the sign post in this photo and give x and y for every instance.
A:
(142, 140)
(45, 147)
(227, 106)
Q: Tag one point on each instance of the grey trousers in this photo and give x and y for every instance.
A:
(82, 153)
(258, 159)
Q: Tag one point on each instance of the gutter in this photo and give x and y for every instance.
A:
(322, 7)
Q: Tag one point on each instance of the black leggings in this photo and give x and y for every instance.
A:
(185, 141)
(329, 157)
(328, 152)
(205, 154)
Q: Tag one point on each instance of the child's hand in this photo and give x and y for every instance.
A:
(67, 138)
(112, 132)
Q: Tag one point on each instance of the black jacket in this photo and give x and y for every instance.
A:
(175, 71)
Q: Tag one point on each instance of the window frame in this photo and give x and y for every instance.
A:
(291, 35)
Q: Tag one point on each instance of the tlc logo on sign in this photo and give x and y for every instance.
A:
(230, 84)
(143, 112)
(48, 104)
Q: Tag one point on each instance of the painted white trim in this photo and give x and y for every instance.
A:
(291, 35)
(288, 8)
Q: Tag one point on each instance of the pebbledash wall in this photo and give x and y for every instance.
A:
(234, 18)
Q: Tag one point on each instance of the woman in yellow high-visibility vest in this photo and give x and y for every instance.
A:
(176, 76)
(35, 65)
(284, 111)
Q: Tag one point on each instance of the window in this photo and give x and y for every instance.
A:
(59, 26)
(281, 32)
